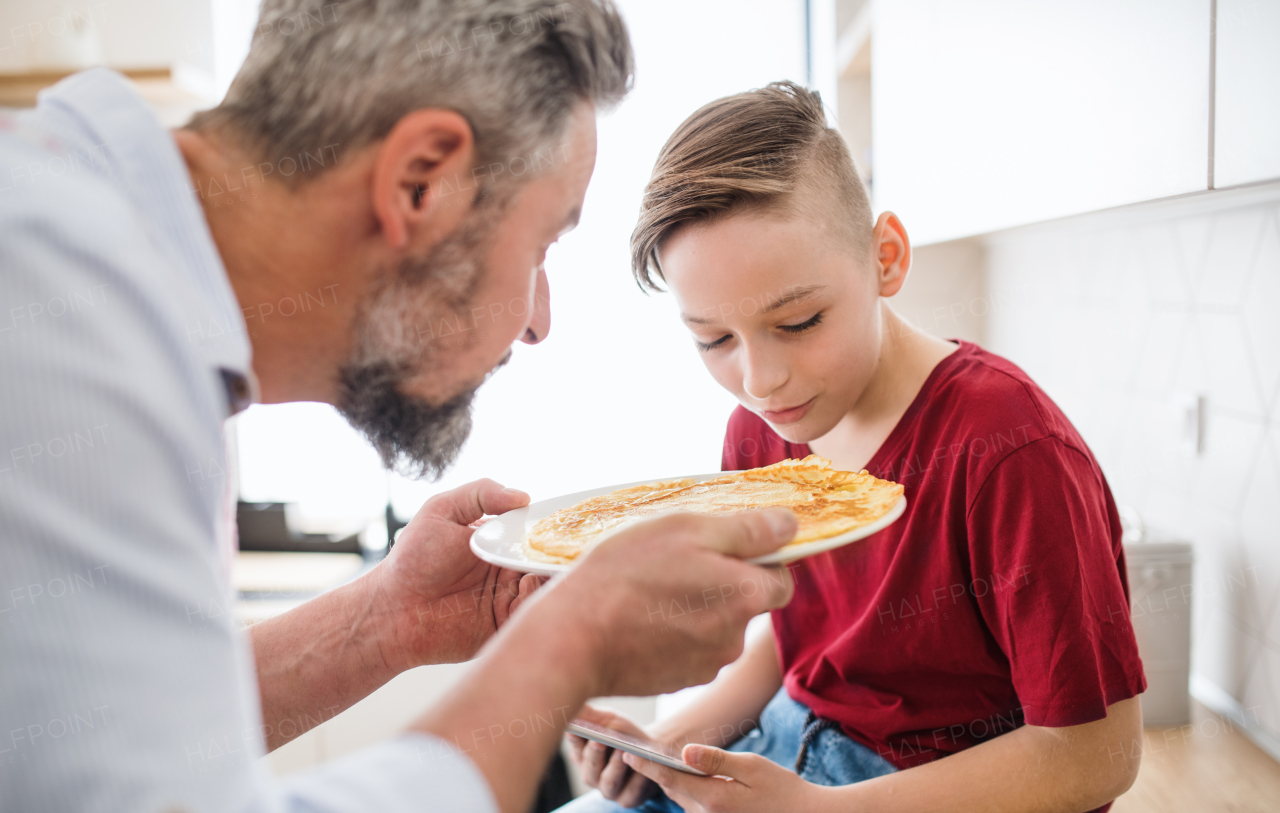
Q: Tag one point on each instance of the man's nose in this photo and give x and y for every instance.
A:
(762, 372)
(540, 321)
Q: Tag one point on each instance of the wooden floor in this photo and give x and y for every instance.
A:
(1209, 766)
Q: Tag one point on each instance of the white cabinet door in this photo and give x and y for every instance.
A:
(1247, 95)
(995, 113)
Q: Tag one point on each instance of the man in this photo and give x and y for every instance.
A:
(384, 167)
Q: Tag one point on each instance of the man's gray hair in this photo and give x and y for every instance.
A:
(339, 75)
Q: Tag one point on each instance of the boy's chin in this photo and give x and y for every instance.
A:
(802, 431)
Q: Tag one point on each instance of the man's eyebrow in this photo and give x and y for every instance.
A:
(767, 303)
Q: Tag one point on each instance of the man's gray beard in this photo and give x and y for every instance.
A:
(412, 435)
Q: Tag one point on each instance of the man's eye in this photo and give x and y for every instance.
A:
(812, 321)
(705, 346)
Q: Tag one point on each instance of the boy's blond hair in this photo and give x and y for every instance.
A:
(753, 150)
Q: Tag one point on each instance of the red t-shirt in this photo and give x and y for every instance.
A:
(999, 598)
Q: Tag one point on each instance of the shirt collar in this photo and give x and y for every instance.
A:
(142, 157)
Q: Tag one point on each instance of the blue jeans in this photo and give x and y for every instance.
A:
(831, 758)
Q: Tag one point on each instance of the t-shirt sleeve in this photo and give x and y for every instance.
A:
(1047, 580)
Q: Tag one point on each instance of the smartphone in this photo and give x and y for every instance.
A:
(648, 749)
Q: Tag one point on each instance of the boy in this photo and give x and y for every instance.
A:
(977, 654)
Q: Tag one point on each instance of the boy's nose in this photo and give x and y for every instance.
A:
(762, 374)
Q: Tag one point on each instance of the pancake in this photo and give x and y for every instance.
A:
(827, 502)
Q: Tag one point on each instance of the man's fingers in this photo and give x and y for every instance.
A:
(526, 587)
(750, 533)
(529, 584)
(778, 587)
(466, 504)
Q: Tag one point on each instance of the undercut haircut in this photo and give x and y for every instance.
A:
(325, 75)
(765, 150)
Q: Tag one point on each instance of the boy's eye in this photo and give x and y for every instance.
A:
(705, 346)
(812, 321)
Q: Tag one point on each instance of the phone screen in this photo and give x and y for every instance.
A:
(648, 749)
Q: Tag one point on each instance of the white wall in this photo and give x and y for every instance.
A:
(946, 292)
(133, 33)
(1120, 317)
(1247, 115)
(996, 113)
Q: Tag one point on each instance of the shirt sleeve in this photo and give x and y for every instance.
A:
(1046, 576)
(398, 775)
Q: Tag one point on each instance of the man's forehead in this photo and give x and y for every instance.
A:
(580, 142)
(568, 179)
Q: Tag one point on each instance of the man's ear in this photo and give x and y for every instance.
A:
(422, 175)
(892, 250)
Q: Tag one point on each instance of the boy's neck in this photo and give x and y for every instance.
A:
(907, 357)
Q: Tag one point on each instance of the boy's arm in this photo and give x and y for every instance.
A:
(731, 705)
(1029, 770)
(1032, 768)
(729, 708)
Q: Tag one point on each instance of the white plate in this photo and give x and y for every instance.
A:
(648, 749)
(500, 541)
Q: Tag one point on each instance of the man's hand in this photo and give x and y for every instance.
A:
(430, 601)
(657, 606)
(665, 602)
(441, 603)
(601, 767)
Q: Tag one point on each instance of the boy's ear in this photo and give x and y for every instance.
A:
(422, 176)
(892, 250)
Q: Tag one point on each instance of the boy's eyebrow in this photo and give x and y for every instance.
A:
(796, 293)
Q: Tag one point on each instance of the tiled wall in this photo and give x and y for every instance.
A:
(945, 293)
(1124, 318)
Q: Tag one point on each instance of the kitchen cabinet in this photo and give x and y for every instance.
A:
(996, 113)
(1247, 92)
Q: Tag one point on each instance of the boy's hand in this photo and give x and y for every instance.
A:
(602, 768)
(742, 783)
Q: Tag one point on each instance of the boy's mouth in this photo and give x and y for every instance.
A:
(788, 415)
